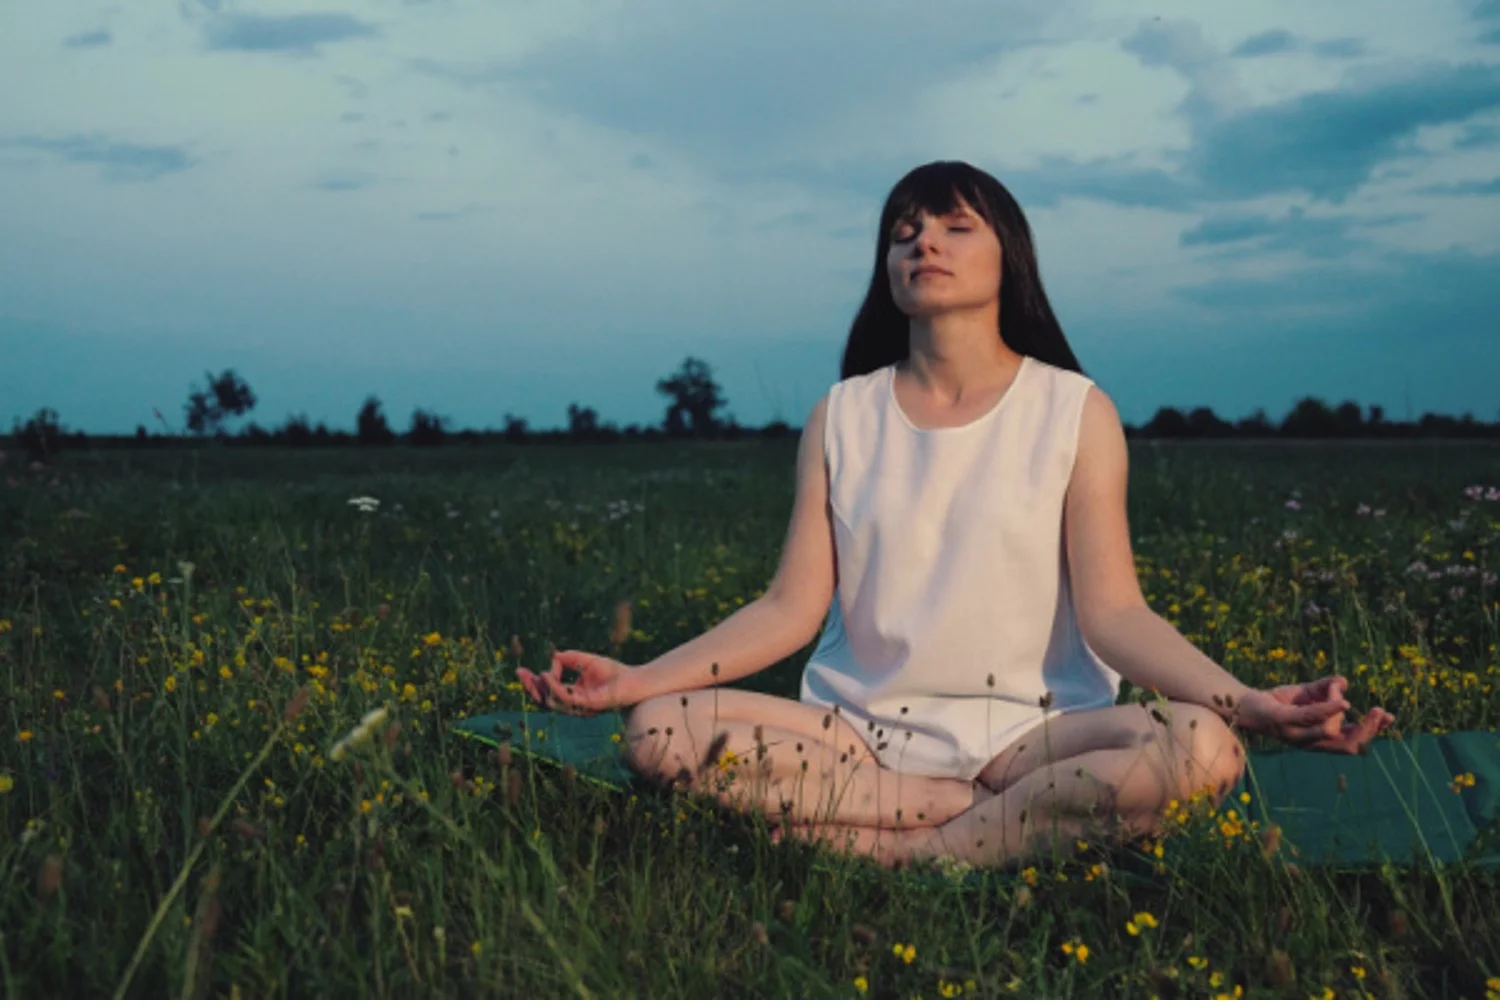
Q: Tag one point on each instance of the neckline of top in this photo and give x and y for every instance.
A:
(1005, 397)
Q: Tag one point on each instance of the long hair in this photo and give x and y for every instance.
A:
(881, 332)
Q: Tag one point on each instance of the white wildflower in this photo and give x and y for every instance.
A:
(359, 734)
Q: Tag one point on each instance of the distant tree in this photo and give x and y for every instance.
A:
(227, 396)
(1203, 422)
(41, 438)
(140, 432)
(371, 427)
(1348, 420)
(1310, 418)
(1167, 423)
(695, 396)
(582, 423)
(297, 432)
(1377, 416)
(427, 428)
(515, 429)
(1256, 424)
(776, 429)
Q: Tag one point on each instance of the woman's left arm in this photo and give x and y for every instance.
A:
(1142, 646)
(1112, 613)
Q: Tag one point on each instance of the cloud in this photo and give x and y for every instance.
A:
(1479, 135)
(1321, 237)
(88, 39)
(121, 161)
(1340, 48)
(1471, 188)
(1400, 289)
(1277, 40)
(344, 181)
(1327, 143)
(1180, 45)
(444, 215)
(295, 33)
(728, 84)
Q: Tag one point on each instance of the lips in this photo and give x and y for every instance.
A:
(930, 269)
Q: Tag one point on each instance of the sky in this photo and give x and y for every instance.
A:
(491, 207)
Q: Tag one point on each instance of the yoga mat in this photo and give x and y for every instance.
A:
(1395, 803)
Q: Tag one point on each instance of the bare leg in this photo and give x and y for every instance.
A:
(793, 776)
(1111, 794)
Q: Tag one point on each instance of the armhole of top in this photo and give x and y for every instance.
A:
(1083, 400)
(828, 410)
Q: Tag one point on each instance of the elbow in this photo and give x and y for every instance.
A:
(1100, 629)
(803, 617)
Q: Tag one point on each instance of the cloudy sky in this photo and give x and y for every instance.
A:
(492, 206)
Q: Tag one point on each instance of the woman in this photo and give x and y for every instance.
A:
(960, 520)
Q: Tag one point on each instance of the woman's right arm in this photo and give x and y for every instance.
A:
(791, 611)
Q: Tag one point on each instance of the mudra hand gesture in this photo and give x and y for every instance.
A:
(603, 684)
(1310, 715)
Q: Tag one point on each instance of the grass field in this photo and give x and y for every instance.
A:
(184, 636)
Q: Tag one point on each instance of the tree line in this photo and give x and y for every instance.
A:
(692, 412)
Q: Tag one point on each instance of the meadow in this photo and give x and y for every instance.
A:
(186, 635)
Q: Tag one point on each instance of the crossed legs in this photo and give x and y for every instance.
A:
(795, 762)
(1104, 774)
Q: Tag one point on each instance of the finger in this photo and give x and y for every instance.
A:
(528, 683)
(1313, 713)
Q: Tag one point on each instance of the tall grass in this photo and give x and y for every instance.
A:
(184, 639)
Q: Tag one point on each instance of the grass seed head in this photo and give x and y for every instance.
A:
(619, 631)
(49, 876)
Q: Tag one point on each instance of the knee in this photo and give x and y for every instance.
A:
(1216, 754)
(658, 732)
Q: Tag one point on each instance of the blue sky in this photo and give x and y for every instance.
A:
(485, 207)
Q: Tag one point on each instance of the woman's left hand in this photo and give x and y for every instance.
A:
(1310, 715)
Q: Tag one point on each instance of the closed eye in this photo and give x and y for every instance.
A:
(906, 238)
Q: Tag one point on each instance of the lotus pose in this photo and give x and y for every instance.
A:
(959, 549)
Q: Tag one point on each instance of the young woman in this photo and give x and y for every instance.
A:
(960, 522)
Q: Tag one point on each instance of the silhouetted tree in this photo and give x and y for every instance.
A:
(1203, 422)
(371, 427)
(41, 438)
(297, 431)
(1167, 423)
(695, 396)
(1309, 418)
(1348, 421)
(582, 423)
(427, 428)
(515, 429)
(1257, 424)
(227, 395)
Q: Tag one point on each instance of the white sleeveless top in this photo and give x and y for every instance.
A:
(953, 613)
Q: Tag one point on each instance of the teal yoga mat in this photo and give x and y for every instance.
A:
(1395, 803)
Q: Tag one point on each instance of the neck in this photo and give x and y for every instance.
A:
(955, 355)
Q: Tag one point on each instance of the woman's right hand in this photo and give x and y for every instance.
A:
(603, 684)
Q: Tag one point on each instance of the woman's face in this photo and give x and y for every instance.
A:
(961, 245)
